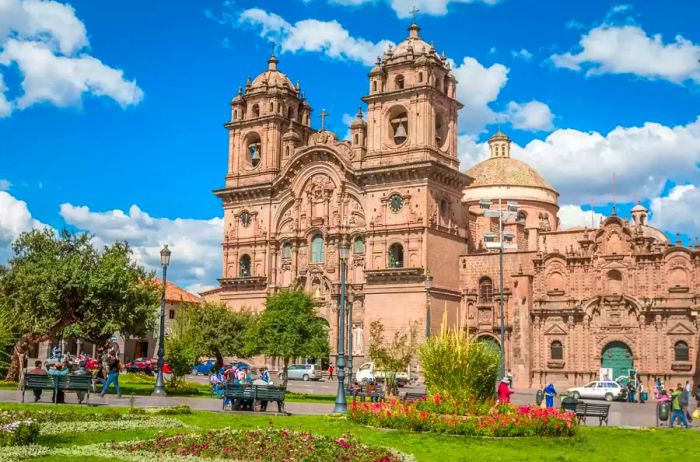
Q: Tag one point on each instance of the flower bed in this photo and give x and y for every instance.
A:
(485, 419)
(271, 445)
(18, 433)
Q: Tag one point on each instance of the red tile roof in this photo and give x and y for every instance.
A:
(176, 294)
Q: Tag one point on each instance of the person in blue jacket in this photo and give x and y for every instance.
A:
(549, 394)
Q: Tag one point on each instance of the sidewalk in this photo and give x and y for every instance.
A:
(200, 404)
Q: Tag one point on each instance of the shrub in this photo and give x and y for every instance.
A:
(19, 433)
(455, 364)
(183, 387)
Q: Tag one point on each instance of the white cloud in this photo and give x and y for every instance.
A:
(61, 80)
(5, 105)
(347, 120)
(47, 43)
(629, 50)
(571, 216)
(328, 37)
(477, 87)
(403, 7)
(533, 116)
(580, 164)
(678, 212)
(15, 219)
(523, 54)
(5, 185)
(195, 244)
(470, 152)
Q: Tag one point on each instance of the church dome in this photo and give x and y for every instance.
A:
(506, 171)
(411, 48)
(272, 78)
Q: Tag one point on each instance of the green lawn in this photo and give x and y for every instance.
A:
(592, 443)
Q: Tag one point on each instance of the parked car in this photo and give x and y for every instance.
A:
(203, 368)
(303, 372)
(146, 366)
(368, 371)
(603, 389)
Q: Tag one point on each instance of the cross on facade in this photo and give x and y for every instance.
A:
(414, 12)
(323, 116)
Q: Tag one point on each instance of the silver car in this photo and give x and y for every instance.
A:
(303, 372)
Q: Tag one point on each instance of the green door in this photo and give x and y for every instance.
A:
(618, 356)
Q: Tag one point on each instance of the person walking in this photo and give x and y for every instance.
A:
(38, 370)
(58, 395)
(677, 407)
(685, 401)
(504, 392)
(549, 394)
(112, 375)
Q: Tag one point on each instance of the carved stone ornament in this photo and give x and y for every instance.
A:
(323, 137)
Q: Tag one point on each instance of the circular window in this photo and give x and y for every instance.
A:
(395, 203)
(245, 219)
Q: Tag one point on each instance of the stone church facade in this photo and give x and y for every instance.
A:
(395, 194)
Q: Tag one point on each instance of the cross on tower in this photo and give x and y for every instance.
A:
(273, 45)
(323, 116)
(414, 12)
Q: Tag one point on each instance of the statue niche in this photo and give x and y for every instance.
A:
(319, 192)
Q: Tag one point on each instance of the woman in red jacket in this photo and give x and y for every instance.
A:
(504, 392)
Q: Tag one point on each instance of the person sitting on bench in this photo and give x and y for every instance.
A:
(58, 395)
(38, 370)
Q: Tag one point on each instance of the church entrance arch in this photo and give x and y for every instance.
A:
(490, 342)
(618, 357)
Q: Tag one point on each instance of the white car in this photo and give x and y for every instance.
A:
(604, 389)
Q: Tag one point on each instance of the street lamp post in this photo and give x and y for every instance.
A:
(351, 300)
(340, 403)
(159, 390)
(428, 286)
(505, 241)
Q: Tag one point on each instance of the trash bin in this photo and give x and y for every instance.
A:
(539, 397)
(663, 410)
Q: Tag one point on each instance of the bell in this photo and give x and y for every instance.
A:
(400, 132)
(254, 153)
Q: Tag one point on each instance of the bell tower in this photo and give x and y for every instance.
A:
(412, 110)
(269, 119)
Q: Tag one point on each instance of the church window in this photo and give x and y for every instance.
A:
(395, 203)
(359, 245)
(680, 351)
(614, 282)
(485, 290)
(440, 130)
(396, 256)
(272, 107)
(235, 114)
(357, 138)
(444, 208)
(522, 216)
(420, 77)
(245, 219)
(374, 86)
(446, 85)
(286, 151)
(399, 126)
(254, 149)
(398, 81)
(256, 110)
(287, 250)
(244, 266)
(556, 350)
(290, 113)
(317, 249)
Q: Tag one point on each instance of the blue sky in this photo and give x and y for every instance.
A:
(111, 118)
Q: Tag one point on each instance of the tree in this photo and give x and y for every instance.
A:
(62, 282)
(223, 332)
(395, 356)
(183, 343)
(289, 328)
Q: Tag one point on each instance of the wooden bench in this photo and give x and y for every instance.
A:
(56, 383)
(262, 394)
(410, 397)
(583, 410)
(238, 396)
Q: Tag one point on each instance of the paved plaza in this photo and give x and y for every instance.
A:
(621, 413)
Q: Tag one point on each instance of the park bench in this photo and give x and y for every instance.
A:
(263, 394)
(55, 383)
(583, 410)
(238, 395)
(410, 397)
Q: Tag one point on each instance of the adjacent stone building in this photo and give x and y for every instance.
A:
(619, 295)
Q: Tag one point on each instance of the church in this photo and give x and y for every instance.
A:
(420, 231)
